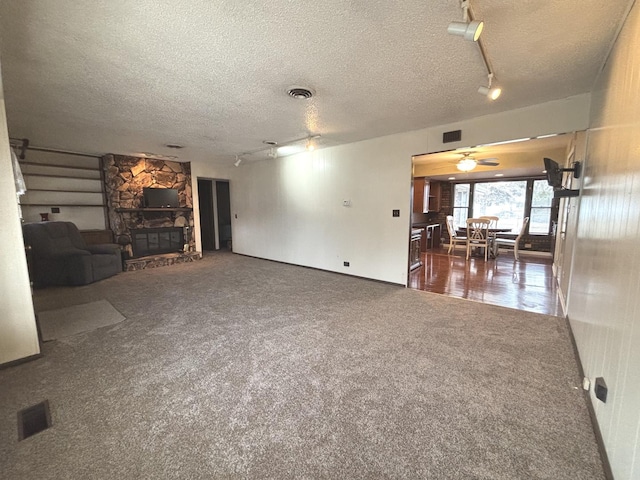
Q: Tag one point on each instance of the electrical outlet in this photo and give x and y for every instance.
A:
(601, 390)
(346, 264)
(395, 213)
(346, 203)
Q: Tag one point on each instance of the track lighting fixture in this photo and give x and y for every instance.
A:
(469, 30)
(275, 149)
(491, 92)
(310, 145)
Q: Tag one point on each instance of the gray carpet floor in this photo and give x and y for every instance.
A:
(68, 321)
(235, 367)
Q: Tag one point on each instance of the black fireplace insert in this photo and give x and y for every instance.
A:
(155, 241)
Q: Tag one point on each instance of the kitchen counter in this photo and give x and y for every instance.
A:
(430, 234)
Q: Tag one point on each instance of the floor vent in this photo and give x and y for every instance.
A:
(33, 420)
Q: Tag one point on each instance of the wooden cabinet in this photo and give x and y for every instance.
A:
(426, 195)
(419, 194)
(433, 196)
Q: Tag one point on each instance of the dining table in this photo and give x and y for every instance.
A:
(462, 231)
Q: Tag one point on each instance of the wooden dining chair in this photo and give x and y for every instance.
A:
(515, 243)
(454, 239)
(493, 224)
(478, 236)
(493, 220)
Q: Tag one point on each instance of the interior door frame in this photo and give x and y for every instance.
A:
(214, 200)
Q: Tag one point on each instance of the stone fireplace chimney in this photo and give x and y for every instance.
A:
(125, 178)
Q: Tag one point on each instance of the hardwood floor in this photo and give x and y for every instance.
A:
(524, 285)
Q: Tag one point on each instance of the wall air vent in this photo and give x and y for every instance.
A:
(452, 136)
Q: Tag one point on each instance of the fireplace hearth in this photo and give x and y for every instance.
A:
(155, 241)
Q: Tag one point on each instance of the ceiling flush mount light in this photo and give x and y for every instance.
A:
(468, 29)
(491, 92)
(300, 93)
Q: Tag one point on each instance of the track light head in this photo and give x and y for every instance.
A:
(469, 31)
(491, 92)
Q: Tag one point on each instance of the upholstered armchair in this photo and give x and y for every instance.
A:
(58, 255)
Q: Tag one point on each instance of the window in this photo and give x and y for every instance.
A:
(501, 199)
(511, 201)
(540, 221)
(461, 197)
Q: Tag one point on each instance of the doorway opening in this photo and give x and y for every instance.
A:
(215, 214)
(506, 180)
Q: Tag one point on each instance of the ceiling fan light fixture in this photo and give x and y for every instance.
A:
(466, 164)
(469, 31)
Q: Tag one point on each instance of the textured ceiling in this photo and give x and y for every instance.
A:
(130, 76)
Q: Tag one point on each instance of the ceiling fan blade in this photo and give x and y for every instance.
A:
(488, 162)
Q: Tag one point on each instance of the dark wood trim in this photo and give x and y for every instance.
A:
(19, 361)
(592, 413)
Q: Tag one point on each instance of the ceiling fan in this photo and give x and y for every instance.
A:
(468, 163)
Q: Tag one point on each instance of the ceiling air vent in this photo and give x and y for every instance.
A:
(300, 93)
(452, 136)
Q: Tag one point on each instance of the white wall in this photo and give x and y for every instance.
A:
(18, 335)
(604, 295)
(290, 209)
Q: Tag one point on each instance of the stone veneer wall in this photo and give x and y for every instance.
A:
(125, 177)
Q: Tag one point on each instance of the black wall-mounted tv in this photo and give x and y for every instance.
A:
(160, 197)
(554, 173)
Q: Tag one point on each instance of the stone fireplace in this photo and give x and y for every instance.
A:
(145, 232)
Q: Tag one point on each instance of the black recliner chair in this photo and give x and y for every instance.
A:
(60, 256)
